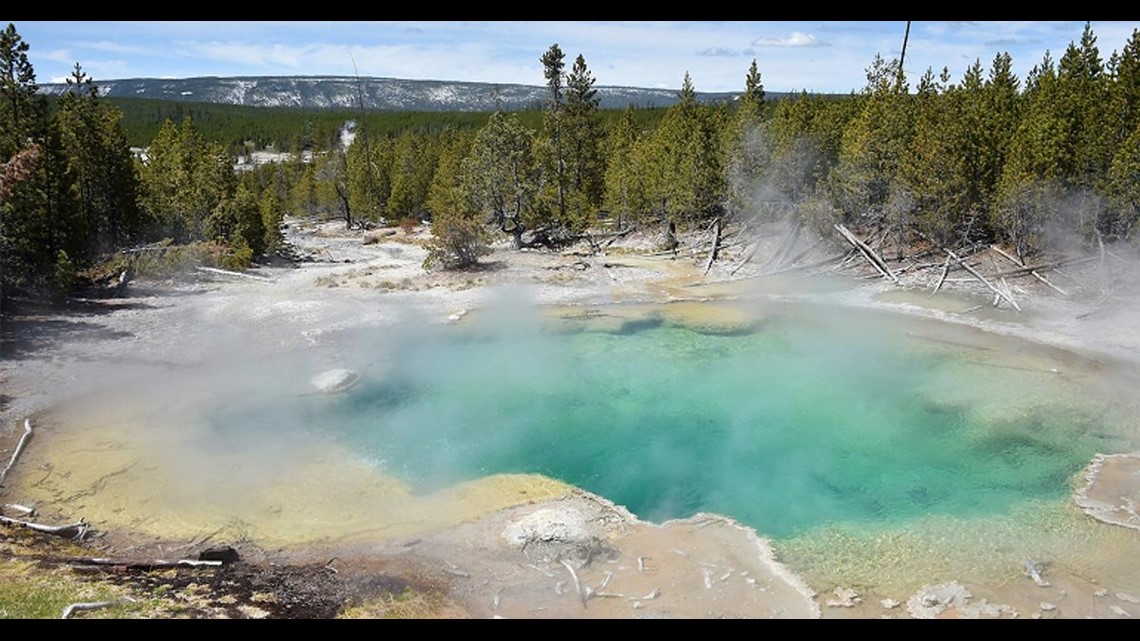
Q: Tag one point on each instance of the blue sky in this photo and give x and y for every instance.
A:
(816, 56)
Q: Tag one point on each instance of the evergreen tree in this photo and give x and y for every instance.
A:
(22, 112)
(865, 184)
(1083, 99)
(414, 164)
(1000, 113)
(367, 181)
(749, 151)
(554, 164)
(40, 219)
(686, 181)
(625, 192)
(499, 176)
(102, 163)
(585, 163)
(184, 178)
(1123, 187)
(806, 135)
(39, 230)
(1032, 175)
(459, 236)
(272, 211)
(934, 168)
(332, 186)
(237, 221)
(1124, 99)
(445, 195)
(752, 100)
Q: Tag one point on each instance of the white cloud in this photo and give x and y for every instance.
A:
(796, 39)
(719, 51)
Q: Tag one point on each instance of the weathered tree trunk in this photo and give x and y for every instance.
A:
(715, 247)
(878, 263)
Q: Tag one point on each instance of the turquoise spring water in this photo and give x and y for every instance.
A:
(810, 420)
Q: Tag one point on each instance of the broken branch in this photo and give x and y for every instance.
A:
(77, 531)
(867, 252)
(149, 564)
(19, 448)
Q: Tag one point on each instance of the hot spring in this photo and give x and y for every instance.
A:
(867, 446)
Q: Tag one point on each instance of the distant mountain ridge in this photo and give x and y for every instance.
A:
(377, 94)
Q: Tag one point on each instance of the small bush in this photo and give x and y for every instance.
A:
(408, 224)
(239, 255)
(65, 275)
(457, 242)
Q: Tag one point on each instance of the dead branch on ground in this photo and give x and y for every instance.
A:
(75, 531)
(19, 448)
(868, 253)
(147, 564)
(97, 605)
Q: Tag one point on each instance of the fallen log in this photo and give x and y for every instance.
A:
(1034, 273)
(22, 509)
(97, 605)
(1055, 265)
(942, 279)
(996, 291)
(868, 253)
(19, 448)
(973, 272)
(226, 272)
(75, 531)
(148, 564)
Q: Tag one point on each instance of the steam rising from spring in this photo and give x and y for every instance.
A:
(812, 419)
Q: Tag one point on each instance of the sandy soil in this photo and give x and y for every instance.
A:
(515, 547)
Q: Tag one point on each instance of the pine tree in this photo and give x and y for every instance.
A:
(1123, 188)
(40, 218)
(1083, 86)
(864, 183)
(585, 164)
(933, 170)
(1125, 90)
(414, 163)
(1031, 179)
(368, 185)
(445, 195)
(806, 135)
(749, 152)
(22, 112)
(1000, 114)
(554, 164)
(39, 211)
(752, 100)
(1122, 184)
(625, 194)
(685, 177)
(184, 178)
(499, 176)
(103, 165)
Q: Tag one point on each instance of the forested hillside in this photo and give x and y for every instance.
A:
(1032, 163)
(367, 93)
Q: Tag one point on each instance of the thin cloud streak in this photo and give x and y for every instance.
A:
(814, 56)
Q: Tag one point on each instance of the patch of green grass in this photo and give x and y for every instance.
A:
(30, 592)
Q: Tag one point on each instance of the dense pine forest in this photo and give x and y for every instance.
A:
(1041, 163)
